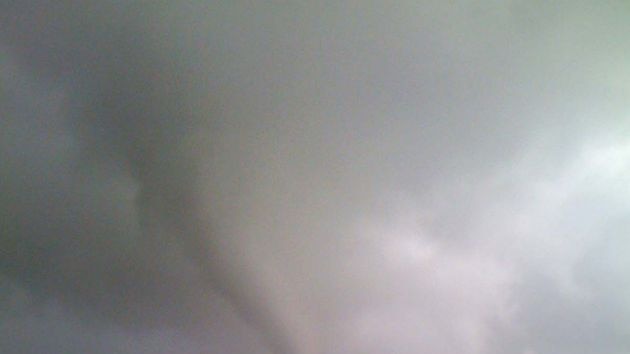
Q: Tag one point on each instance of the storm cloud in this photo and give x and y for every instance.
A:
(306, 178)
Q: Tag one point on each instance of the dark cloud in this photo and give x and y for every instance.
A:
(348, 177)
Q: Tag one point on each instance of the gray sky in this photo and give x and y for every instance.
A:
(314, 177)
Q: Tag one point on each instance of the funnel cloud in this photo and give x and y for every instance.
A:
(314, 177)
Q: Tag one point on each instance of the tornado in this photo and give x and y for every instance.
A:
(128, 109)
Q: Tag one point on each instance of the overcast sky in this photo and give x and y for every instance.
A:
(315, 177)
